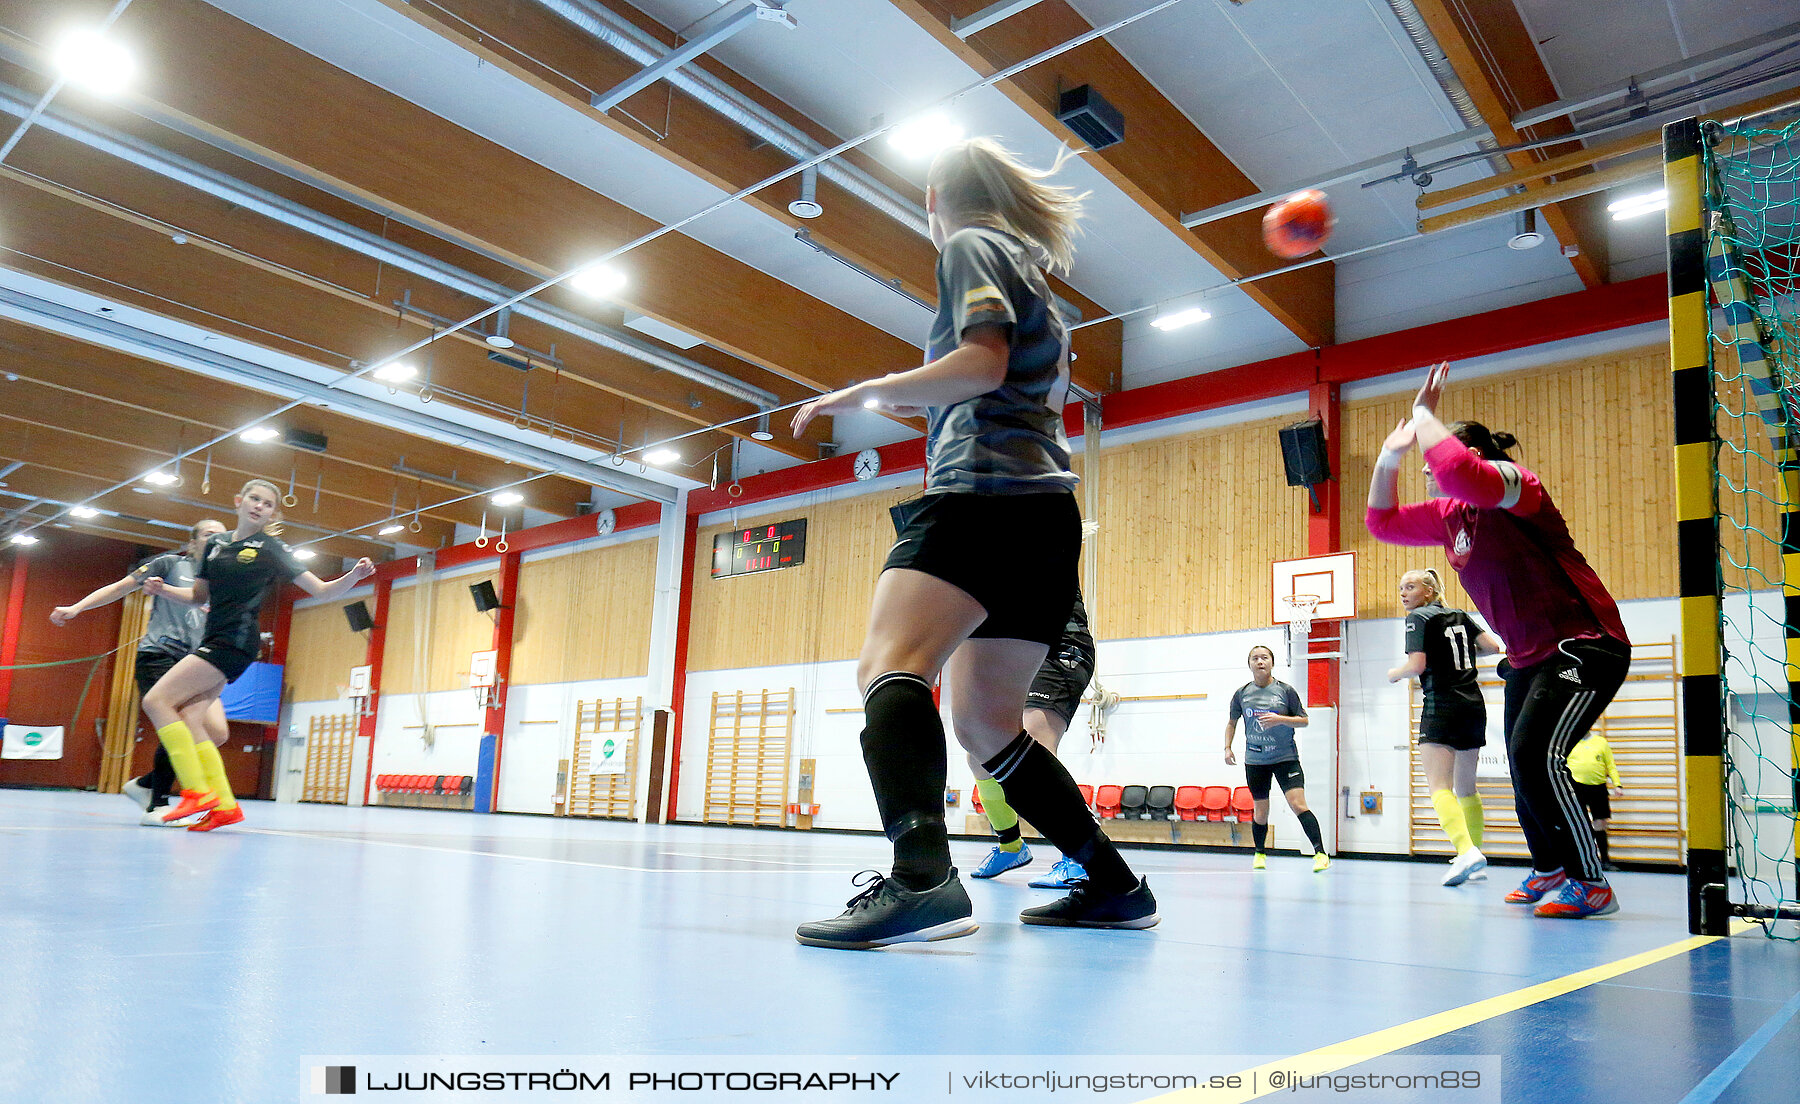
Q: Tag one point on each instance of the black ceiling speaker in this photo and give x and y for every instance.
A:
(303, 439)
(485, 598)
(1093, 120)
(357, 614)
(1303, 453)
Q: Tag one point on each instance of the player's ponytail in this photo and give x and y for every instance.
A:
(980, 181)
(1491, 446)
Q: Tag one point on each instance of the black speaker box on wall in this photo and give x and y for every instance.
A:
(1303, 453)
(358, 615)
(485, 598)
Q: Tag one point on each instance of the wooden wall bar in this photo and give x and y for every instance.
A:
(586, 615)
(1596, 431)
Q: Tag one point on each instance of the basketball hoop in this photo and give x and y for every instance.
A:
(1301, 607)
(483, 677)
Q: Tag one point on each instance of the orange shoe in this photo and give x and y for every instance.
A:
(218, 818)
(192, 801)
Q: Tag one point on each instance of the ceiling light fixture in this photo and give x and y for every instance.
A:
(160, 479)
(92, 61)
(259, 435)
(1525, 231)
(390, 530)
(397, 372)
(304, 553)
(24, 538)
(499, 339)
(1633, 206)
(761, 432)
(1180, 318)
(602, 281)
(807, 206)
(507, 498)
(83, 512)
(921, 137)
(659, 457)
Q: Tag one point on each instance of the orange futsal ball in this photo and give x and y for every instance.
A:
(1298, 225)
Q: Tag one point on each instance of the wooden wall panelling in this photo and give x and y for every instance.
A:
(812, 613)
(456, 629)
(585, 615)
(321, 651)
(1188, 526)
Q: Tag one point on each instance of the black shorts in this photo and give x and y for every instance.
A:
(1459, 729)
(1594, 799)
(225, 656)
(1014, 554)
(1062, 680)
(152, 666)
(1287, 772)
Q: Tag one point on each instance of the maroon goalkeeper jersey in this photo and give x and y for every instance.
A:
(1512, 551)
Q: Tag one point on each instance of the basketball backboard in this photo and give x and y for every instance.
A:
(1331, 578)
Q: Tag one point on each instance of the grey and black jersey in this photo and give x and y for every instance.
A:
(1447, 637)
(1009, 440)
(174, 627)
(1272, 743)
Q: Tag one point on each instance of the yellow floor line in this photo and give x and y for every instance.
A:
(1351, 1052)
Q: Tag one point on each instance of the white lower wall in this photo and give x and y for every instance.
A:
(540, 733)
(1174, 741)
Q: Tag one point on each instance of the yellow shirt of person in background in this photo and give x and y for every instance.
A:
(1591, 762)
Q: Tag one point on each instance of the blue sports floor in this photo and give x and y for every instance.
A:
(145, 965)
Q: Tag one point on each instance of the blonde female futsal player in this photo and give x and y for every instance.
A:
(232, 580)
(1441, 648)
(981, 580)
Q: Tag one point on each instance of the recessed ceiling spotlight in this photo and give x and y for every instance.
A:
(659, 457)
(507, 498)
(1180, 318)
(304, 553)
(160, 478)
(83, 512)
(397, 372)
(390, 530)
(602, 281)
(924, 136)
(24, 538)
(259, 435)
(92, 61)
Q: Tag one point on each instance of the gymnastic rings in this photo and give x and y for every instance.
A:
(736, 490)
(415, 526)
(501, 546)
(482, 540)
(289, 499)
(426, 394)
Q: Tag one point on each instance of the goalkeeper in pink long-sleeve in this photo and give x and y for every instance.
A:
(1567, 652)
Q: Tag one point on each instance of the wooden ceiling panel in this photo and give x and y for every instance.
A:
(1165, 163)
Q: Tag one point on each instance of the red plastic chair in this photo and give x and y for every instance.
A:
(1106, 800)
(1187, 802)
(1087, 794)
(1215, 802)
(1242, 803)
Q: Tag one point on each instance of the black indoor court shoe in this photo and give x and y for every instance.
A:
(1087, 907)
(886, 913)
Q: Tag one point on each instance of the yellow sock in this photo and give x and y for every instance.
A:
(1472, 817)
(178, 741)
(214, 766)
(1450, 815)
(999, 813)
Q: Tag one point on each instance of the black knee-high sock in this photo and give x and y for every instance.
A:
(1259, 833)
(162, 776)
(1605, 851)
(903, 747)
(1311, 824)
(1044, 793)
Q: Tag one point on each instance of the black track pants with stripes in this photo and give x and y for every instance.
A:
(1549, 707)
